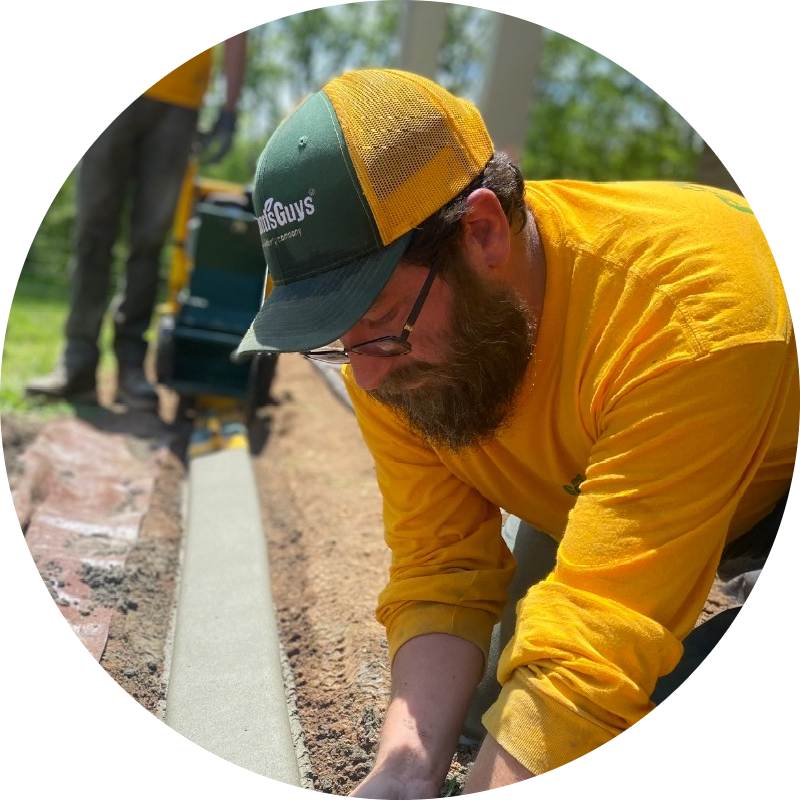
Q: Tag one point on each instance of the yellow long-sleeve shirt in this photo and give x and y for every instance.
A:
(186, 85)
(658, 420)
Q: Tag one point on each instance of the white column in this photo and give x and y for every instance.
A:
(508, 87)
(421, 34)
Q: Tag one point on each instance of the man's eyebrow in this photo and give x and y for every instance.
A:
(382, 306)
(380, 313)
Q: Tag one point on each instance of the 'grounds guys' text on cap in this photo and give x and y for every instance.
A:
(338, 190)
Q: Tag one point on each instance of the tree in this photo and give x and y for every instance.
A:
(593, 120)
(590, 118)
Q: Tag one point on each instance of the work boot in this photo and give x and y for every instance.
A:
(64, 384)
(135, 391)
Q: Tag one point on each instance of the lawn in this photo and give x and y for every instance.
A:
(34, 338)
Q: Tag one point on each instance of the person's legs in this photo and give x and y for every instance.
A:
(740, 566)
(696, 646)
(162, 153)
(103, 176)
(535, 554)
(749, 553)
(738, 589)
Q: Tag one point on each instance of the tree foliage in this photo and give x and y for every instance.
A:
(590, 118)
(593, 120)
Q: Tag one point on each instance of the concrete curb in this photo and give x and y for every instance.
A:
(333, 377)
(230, 685)
(226, 687)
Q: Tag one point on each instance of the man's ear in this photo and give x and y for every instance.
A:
(487, 234)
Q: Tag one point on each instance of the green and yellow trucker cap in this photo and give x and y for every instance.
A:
(340, 187)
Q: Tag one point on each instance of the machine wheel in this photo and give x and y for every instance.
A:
(262, 374)
(186, 408)
(165, 349)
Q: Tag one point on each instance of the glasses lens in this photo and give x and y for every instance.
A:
(328, 355)
(386, 346)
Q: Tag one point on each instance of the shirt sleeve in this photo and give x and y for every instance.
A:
(450, 567)
(674, 455)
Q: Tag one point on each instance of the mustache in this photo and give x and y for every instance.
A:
(466, 396)
(397, 382)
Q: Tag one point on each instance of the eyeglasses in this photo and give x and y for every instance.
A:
(385, 346)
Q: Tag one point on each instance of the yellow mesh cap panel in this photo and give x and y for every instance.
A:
(413, 145)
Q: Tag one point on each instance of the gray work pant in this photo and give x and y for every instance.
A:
(535, 554)
(140, 158)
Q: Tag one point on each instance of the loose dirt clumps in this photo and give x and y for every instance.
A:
(321, 512)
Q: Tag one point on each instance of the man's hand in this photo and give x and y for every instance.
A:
(215, 144)
(434, 677)
(380, 785)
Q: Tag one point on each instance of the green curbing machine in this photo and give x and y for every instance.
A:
(217, 285)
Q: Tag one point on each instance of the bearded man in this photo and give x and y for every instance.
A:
(611, 366)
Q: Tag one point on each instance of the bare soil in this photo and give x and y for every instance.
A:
(322, 517)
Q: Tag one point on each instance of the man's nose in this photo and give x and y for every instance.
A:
(369, 371)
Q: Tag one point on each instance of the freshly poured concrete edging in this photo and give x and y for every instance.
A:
(226, 690)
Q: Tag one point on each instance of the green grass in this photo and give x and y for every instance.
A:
(34, 338)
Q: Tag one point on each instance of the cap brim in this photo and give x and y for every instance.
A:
(311, 313)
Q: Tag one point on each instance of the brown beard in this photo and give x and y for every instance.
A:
(468, 399)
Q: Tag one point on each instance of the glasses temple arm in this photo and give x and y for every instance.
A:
(423, 294)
